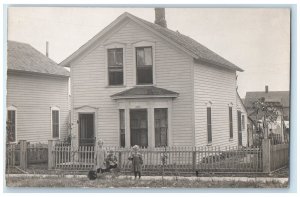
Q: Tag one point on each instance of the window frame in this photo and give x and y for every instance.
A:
(115, 45)
(112, 67)
(139, 67)
(59, 121)
(243, 121)
(209, 108)
(141, 44)
(120, 129)
(230, 108)
(167, 128)
(13, 108)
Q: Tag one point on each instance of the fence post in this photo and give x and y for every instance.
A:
(23, 154)
(194, 158)
(51, 154)
(266, 151)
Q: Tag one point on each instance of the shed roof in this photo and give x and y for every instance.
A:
(145, 92)
(198, 51)
(23, 57)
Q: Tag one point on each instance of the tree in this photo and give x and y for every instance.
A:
(267, 111)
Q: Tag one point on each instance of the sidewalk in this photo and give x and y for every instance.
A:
(242, 179)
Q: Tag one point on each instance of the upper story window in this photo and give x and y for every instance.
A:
(144, 65)
(115, 66)
(11, 124)
(55, 122)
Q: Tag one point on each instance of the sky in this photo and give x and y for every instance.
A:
(255, 39)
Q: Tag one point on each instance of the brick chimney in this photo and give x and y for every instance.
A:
(160, 17)
(266, 89)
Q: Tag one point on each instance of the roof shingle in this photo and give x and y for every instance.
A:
(202, 52)
(23, 57)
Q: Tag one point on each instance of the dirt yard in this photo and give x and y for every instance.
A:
(129, 182)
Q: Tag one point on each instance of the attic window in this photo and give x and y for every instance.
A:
(144, 65)
(115, 66)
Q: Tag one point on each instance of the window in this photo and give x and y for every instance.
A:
(11, 125)
(55, 122)
(243, 122)
(115, 66)
(230, 123)
(209, 129)
(161, 126)
(144, 65)
(122, 128)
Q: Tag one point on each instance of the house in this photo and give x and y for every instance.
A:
(37, 95)
(138, 82)
(244, 136)
(278, 99)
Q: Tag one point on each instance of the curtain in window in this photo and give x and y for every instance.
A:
(161, 126)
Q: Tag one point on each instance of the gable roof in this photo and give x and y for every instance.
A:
(145, 92)
(197, 50)
(23, 57)
(282, 97)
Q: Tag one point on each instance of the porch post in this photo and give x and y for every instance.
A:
(151, 127)
(127, 126)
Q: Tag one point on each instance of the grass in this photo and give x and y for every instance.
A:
(129, 182)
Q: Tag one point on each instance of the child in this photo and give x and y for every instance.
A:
(100, 155)
(111, 161)
(137, 161)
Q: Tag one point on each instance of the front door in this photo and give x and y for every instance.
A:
(138, 127)
(86, 130)
(240, 128)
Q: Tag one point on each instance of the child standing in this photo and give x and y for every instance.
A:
(99, 157)
(137, 161)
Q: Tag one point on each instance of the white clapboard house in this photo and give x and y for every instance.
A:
(138, 82)
(37, 95)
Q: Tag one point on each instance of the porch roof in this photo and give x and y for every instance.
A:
(145, 92)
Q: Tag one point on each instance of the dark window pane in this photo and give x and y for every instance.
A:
(55, 123)
(115, 78)
(209, 129)
(122, 128)
(144, 76)
(230, 123)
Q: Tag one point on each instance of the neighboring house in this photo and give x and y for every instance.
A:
(37, 95)
(244, 136)
(141, 83)
(279, 99)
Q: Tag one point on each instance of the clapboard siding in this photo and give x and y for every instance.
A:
(217, 86)
(33, 95)
(242, 108)
(172, 72)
